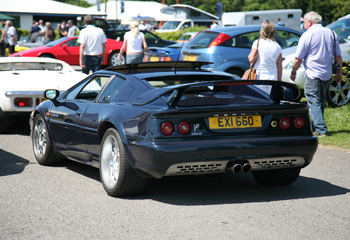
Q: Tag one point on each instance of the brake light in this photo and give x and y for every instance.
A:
(284, 123)
(165, 59)
(222, 37)
(299, 122)
(23, 102)
(167, 128)
(184, 127)
(234, 83)
(146, 58)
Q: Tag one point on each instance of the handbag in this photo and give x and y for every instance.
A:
(335, 65)
(250, 74)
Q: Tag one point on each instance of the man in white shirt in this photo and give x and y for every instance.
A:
(92, 41)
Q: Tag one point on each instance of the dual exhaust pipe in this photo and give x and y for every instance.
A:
(237, 168)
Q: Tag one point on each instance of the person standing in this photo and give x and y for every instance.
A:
(269, 56)
(72, 31)
(41, 25)
(49, 33)
(92, 41)
(62, 29)
(133, 41)
(2, 39)
(316, 47)
(11, 36)
(280, 23)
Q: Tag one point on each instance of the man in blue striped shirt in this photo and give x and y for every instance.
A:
(317, 47)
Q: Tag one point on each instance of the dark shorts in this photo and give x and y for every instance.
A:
(92, 63)
(2, 49)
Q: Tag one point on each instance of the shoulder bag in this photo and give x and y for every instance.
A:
(250, 74)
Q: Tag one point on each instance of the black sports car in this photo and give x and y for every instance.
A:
(151, 120)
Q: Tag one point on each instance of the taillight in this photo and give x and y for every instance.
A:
(23, 102)
(164, 59)
(146, 58)
(222, 37)
(184, 127)
(284, 123)
(299, 122)
(167, 128)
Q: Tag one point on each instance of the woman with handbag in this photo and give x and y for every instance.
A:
(267, 55)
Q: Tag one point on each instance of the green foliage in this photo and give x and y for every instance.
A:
(80, 3)
(329, 10)
(174, 36)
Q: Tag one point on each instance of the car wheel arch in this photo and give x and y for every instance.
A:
(47, 55)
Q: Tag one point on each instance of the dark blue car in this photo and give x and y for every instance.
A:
(152, 120)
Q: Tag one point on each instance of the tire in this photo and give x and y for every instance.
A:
(113, 59)
(117, 176)
(236, 72)
(277, 177)
(42, 147)
(4, 121)
(338, 94)
(46, 55)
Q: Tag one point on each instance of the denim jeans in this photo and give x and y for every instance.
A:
(315, 92)
(134, 58)
(91, 62)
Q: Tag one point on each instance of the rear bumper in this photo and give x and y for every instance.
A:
(164, 157)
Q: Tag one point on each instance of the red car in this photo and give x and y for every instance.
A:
(67, 49)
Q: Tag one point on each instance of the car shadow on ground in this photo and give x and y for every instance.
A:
(11, 164)
(221, 189)
(19, 125)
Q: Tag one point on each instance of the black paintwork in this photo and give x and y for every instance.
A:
(76, 126)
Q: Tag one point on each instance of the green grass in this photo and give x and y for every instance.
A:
(338, 123)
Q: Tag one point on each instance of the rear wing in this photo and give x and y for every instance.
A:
(279, 91)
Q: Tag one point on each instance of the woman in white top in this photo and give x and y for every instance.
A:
(269, 63)
(133, 40)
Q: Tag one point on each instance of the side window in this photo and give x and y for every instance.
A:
(242, 41)
(111, 90)
(73, 43)
(149, 36)
(90, 90)
(287, 39)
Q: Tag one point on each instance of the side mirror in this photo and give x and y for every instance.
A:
(51, 94)
(64, 46)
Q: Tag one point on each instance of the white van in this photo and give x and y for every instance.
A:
(172, 26)
(184, 16)
(290, 17)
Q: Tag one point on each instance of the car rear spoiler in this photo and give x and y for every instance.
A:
(279, 91)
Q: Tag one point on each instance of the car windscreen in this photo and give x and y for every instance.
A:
(53, 43)
(171, 25)
(342, 29)
(202, 40)
(19, 66)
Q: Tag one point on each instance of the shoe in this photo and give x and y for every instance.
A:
(318, 134)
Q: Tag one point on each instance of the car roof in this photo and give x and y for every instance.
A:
(233, 30)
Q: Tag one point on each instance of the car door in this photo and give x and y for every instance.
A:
(69, 51)
(66, 118)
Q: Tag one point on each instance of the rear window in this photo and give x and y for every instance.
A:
(202, 40)
(222, 94)
(160, 82)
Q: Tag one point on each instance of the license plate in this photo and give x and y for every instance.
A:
(229, 122)
(154, 59)
(190, 58)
